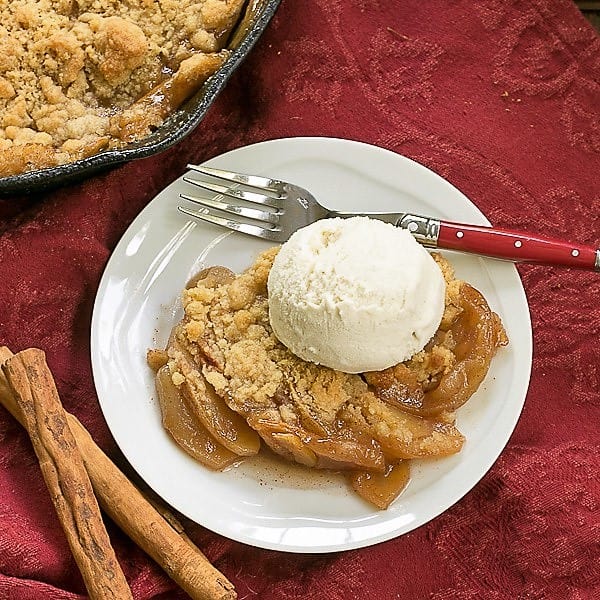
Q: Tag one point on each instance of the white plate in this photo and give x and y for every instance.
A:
(284, 509)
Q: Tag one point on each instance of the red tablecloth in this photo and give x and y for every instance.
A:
(501, 98)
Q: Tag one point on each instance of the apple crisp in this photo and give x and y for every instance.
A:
(370, 425)
(79, 76)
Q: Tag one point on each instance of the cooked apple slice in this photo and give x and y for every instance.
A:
(477, 333)
(381, 489)
(401, 434)
(211, 277)
(187, 432)
(337, 451)
(225, 425)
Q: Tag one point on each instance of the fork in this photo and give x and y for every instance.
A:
(273, 210)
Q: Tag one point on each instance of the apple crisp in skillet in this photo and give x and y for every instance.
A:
(79, 76)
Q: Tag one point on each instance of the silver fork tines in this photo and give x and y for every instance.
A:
(271, 199)
(206, 215)
(234, 209)
(256, 181)
(259, 206)
(237, 193)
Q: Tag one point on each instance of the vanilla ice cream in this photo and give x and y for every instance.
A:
(354, 294)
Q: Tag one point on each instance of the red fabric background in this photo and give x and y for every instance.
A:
(501, 97)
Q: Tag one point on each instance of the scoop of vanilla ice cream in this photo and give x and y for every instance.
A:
(354, 294)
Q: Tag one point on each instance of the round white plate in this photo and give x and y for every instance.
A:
(275, 507)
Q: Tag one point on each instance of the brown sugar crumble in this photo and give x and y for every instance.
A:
(79, 76)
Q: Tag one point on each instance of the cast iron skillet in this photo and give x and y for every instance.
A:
(178, 125)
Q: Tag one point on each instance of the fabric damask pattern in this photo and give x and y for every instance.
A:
(538, 60)
(548, 541)
(501, 97)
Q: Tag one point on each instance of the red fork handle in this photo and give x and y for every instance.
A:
(506, 244)
(516, 246)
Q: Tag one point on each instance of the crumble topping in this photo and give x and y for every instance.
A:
(226, 330)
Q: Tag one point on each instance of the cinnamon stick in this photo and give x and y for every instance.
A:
(66, 477)
(136, 516)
